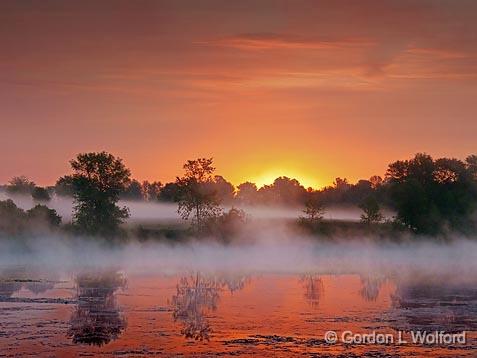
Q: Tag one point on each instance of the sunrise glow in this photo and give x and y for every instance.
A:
(269, 177)
(250, 178)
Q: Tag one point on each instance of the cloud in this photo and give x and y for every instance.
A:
(272, 41)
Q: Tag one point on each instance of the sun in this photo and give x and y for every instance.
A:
(269, 177)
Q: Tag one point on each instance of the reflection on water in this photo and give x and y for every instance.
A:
(230, 313)
(97, 319)
(39, 287)
(314, 288)
(371, 286)
(12, 280)
(429, 305)
(8, 287)
(197, 295)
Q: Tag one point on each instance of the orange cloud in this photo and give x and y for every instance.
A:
(270, 41)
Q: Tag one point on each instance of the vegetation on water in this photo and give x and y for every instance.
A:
(428, 196)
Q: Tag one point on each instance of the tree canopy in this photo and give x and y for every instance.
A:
(197, 193)
(97, 180)
(430, 195)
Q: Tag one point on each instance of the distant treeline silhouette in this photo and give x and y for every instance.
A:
(429, 196)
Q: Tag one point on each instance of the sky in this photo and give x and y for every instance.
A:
(307, 89)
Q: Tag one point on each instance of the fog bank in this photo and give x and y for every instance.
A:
(281, 253)
(165, 212)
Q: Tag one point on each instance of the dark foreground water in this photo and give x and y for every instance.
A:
(110, 312)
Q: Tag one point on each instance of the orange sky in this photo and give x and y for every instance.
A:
(312, 89)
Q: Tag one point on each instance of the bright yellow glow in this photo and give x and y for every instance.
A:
(268, 177)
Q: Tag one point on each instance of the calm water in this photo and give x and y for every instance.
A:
(112, 312)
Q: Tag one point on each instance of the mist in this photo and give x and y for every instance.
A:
(271, 250)
(266, 243)
(142, 211)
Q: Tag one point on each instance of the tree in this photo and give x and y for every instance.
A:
(40, 194)
(371, 211)
(20, 185)
(197, 195)
(169, 193)
(430, 195)
(64, 186)
(341, 184)
(151, 191)
(247, 193)
(133, 191)
(376, 181)
(224, 189)
(14, 221)
(283, 191)
(227, 225)
(471, 164)
(41, 215)
(314, 212)
(12, 218)
(98, 179)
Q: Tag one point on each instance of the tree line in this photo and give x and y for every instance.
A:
(429, 196)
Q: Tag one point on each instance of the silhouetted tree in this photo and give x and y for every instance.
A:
(98, 179)
(198, 196)
(356, 194)
(12, 219)
(371, 211)
(15, 221)
(133, 191)
(64, 186)
(40, 194)
(341, 184)
(152, 190)
(314, 211)
(41, 215)
(247, 193)
(227, 225)
(376, 181)
(429, 195)
(283, 191)
(20, 185)
(224, 190)
(471, 164)
(170, 192)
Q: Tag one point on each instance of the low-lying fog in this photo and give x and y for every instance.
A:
(166, 212)
(268, 246)
(275, 252)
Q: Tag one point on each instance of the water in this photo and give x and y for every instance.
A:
(108, 311)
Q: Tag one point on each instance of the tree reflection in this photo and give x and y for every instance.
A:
(233, 283)
(196, 296)
(8, 288)
(14, 279)
(40, 286)
(97, 319)
(371, 286)
(314, 289)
